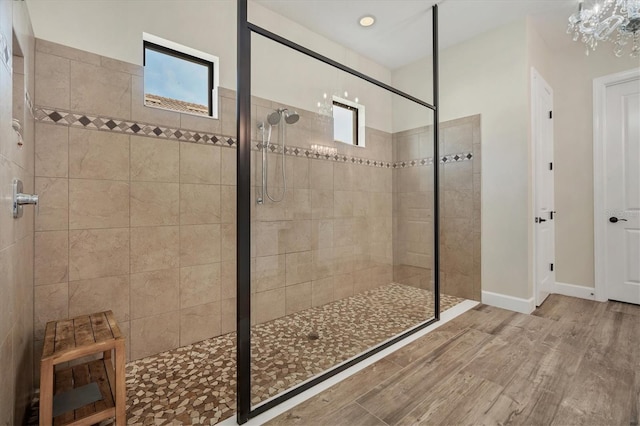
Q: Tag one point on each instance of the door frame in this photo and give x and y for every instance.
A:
(600, 86)
(536, 79)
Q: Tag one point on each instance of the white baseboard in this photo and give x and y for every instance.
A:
(524, 306)
(573, 290)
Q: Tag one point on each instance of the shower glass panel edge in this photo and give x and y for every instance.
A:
(243, 115)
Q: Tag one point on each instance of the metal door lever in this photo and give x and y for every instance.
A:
(614, 219)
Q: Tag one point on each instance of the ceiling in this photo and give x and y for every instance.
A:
(402, 32)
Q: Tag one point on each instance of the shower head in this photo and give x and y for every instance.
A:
(291, 117)
(274, 118)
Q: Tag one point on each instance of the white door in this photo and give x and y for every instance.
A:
(622, 191)
(544, 231)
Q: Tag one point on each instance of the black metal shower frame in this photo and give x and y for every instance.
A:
(243, 296)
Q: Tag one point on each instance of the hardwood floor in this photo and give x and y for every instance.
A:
(572, 361)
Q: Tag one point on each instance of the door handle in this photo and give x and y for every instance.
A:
(540, 220)
(614, 219)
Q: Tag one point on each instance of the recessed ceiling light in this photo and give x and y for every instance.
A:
(367, 21)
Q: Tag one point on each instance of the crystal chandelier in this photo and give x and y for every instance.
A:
(617, 21)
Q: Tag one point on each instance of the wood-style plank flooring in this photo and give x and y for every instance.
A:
(572, 362)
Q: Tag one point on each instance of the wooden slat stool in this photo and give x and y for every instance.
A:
(76, 338)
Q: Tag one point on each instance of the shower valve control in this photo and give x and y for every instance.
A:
(20, 199)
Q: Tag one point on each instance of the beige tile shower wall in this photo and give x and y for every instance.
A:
(138, 225)
(16, 235)
(331, 236)
(459, 209)
(146, 226)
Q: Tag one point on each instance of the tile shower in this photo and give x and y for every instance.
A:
(138, 215)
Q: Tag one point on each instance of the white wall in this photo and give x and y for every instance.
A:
(487, 76)
(572, 80)
(114, 28)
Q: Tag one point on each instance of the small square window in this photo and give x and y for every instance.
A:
(179, 78)
(348, 122)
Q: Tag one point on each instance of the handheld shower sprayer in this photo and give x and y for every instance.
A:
(275, 119)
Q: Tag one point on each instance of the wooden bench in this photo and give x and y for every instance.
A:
(81, 337)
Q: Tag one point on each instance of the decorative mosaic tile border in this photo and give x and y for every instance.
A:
(68, 118)
(449, 158)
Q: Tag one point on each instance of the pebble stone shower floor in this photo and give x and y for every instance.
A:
(196, 384)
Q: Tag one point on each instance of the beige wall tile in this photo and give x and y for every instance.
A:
(344, 175)
(154, 204)
(322, 291)
(7, 393)
(298, 297)
(269, 273)
(56, 49)
(321, 233)
(154, 248)
(343, 232)
(323, 263)
(98, 253)
(52, 150)
(297, 203)
(51, 262)
(199, 163)
(321, 173)
(200, 284)
(457, 204)
(199, 244)
(228, 163)
(199, 323)
(154, 160)
(228, 280)
(299, 172)
(227, 316)
(321, 204)
(297, 236)
(98, 295)
(116, 65)
(228, 243)
(299, 267)
(52, 81)
(228, 204)
(199, 204)
(53, 206)
(269, 305)
(98, 155)
(458, 138)
(51, 303)
(97, 90)
(199, 123)
(227, 114)
(98, 204)
(458, 176)
(155, 334)
(8, 261)
(154, 293)
(343, 204)
(343, 286)
(268, 238)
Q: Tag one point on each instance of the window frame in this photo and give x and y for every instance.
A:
(358, 111)
(185, 53)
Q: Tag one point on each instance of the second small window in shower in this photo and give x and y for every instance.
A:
(348, 122)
